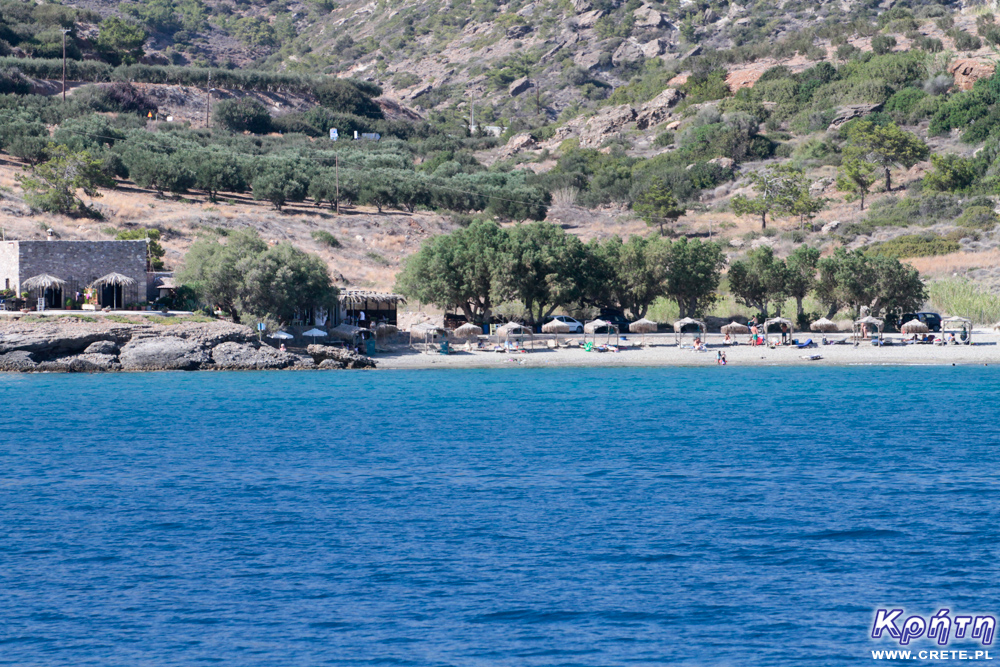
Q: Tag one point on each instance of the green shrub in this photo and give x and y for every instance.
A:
(915, 245)
(324, 237)
(978, 217)
(664, 139)
(242, 115)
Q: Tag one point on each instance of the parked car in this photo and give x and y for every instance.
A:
(932, 320)
(575, 326)
(617, 318)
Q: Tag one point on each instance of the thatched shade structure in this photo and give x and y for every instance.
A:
(385, 330)
(959, 325)
(511, 329)
(688, 321)
(426, 331)
(644, 327)
(42, 281)
(777, 322)
(868, 322)
(115, 280)
(469, 331)
(556, 327)
(592, 328)
(914, 327)
(347, 332)
(734, 328)
(824, 325)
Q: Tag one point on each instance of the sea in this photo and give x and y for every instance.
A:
(511, 516)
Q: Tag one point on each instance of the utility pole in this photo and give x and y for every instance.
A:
(472, 117)
(337, 170)
(64, 31)
(208, 107)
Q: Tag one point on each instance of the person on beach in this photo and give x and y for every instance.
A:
(727, 340)
(720, 358)
(784, 333)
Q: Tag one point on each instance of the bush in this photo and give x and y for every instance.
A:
(966, 42)
(117, 97)
(883, 44)
(978, 217)
(242, 115)
(346, 97)
(664, 139)
(915, 245)
(324, 237)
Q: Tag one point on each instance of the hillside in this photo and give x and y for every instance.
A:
(599, 106)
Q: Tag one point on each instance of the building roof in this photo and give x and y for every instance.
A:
(349, 296)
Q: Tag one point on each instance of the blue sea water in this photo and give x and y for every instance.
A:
(706, 516)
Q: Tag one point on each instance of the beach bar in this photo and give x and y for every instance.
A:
(365, 308)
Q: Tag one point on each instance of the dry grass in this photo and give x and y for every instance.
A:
(956, 262)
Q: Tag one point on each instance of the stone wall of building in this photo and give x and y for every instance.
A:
(8, 265)
(79, 263)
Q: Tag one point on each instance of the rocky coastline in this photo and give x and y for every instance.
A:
(74, 346)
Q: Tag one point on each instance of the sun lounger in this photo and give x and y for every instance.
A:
(806, 343)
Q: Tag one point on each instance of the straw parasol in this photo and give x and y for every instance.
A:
(914, 327)
(116, 280)
(281, 335)
(468, 330)
(556, 327)
(345, 332)
(824, 325)
(735, 328)
(644, 327)
(426, 330)
(384, 330)
(592, 327)
(42, 282)
(680, 324)
(514, 329)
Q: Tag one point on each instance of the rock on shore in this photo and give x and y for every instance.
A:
(69, 345)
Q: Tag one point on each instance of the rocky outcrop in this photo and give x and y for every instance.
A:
(241, 356)
(165, 353)
(17, 361)
(628, 51)
(518, 31)
(519, 86)
(516, 144)
(657, 109)
(647, 17)
(93, 363)
(656, 47)
(966, 71)
(51, 339)
(610, 121)
(850, 112)
(106, 347)
(588, 60)
(588, 19)
(724, 162)
(347, 359)
(743, 78)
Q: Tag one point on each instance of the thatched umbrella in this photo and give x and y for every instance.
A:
(468, 330)
(385, 330)
(824, 325)
(592, 327)
(735, 328)
(914, 327)
(42, 282)
(555, 327)
(345, 332)
(514, 329)
(680, 324)
(869, 321)
(644, 327)
(425, 330)
(116, 280)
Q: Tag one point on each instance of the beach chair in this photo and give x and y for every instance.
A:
(807, 343)
(444, 347)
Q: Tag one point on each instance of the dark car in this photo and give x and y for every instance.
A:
(932, 320)
(617, 318)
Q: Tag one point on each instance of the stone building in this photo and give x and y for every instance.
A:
(78, 263)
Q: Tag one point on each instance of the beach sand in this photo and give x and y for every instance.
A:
(663, 352)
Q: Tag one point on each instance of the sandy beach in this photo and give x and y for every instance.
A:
(662, 351)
